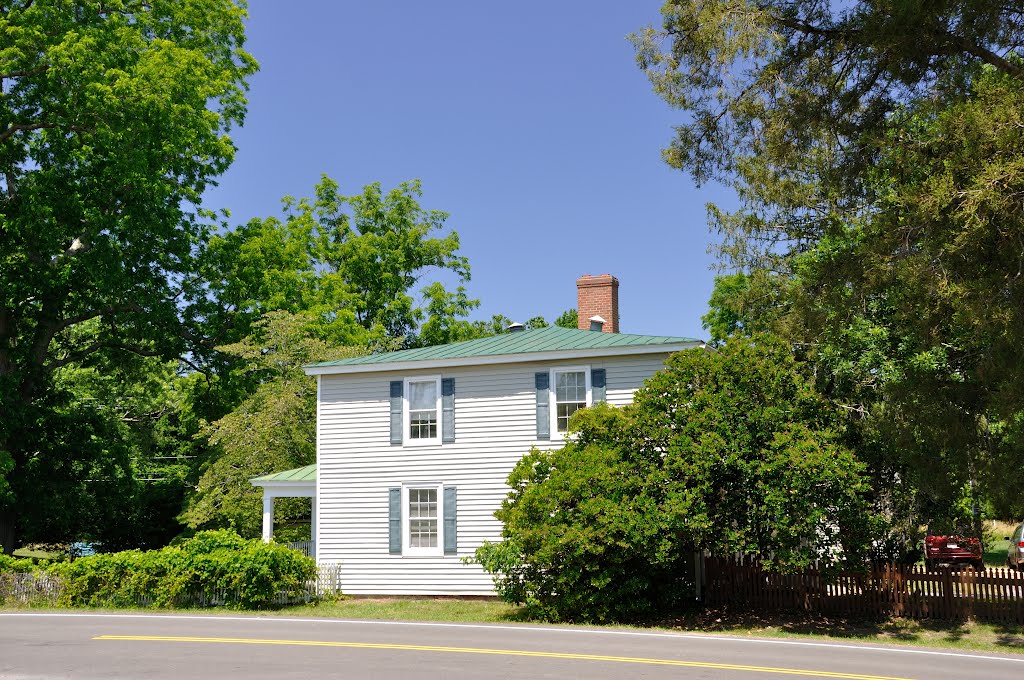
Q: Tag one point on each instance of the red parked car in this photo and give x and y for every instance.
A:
(952, 550)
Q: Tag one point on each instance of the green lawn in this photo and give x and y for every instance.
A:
(409, 609)
(37, 553)
(995, 552)
(996, 543)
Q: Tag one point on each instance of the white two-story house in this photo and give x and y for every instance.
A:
(414, 446)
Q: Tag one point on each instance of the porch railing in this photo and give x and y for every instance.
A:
(307, 548)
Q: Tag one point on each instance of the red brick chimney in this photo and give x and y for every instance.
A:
(598, 296)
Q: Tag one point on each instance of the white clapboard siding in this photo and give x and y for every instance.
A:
(495, 425)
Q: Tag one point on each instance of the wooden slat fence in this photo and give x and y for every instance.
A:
(34, 589)
(911, 591)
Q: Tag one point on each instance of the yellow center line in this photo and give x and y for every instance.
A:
(502, 652)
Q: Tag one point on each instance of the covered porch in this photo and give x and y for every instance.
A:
(297, 483)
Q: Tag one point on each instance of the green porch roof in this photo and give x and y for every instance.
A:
(550, 339)
(302, 474)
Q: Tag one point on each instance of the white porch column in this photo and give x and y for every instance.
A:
(312, 527)
(268, 516)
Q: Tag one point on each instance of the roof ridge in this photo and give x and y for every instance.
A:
(527, 341)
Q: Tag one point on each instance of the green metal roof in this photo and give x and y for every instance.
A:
(302, 474)
(550, 339)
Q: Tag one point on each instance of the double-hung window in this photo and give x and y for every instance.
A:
(423, 529)
(571, 392)
(423, 410)
(422, 519)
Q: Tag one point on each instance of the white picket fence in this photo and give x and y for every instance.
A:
(40, 590)
(328, 580)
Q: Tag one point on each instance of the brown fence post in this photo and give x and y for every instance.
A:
(947, 593)
(1015, 586)
(900, 590)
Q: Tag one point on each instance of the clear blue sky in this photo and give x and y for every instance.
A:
(528, 122)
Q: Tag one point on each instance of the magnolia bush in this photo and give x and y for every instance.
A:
(727, 451)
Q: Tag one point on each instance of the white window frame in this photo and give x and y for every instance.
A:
(407, 438)
(407, 549)
(553, 395)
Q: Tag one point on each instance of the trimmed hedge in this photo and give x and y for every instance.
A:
(214, 567)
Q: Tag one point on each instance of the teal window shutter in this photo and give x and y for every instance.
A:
(396, 412)
(597, 384)
(395, 521)
(447, 410)
(543, 408)
(451, 545)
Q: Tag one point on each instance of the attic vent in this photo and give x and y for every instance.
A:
(514, 327)
(597, 323)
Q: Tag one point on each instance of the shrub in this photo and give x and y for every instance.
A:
(249, 574)
(15, 564)
(585, 541)
(728, 451)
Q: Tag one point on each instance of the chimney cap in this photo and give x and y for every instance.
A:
(515, 327)
(586, 280)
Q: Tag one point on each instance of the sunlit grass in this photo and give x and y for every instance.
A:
(996, 543)
(410, 609)
(35, 552)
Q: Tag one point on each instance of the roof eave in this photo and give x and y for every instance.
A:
(260, 481)
(522, 357)
(287, 489)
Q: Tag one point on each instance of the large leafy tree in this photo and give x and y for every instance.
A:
(114, 118)
(872, 147)
(355, 262)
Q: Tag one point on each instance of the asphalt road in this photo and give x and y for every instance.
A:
(87, 646)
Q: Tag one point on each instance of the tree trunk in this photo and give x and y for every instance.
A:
(6, 531)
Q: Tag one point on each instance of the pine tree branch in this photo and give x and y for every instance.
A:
(986, 55)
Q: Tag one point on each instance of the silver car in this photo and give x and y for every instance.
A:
(1015, 553)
